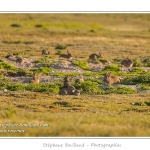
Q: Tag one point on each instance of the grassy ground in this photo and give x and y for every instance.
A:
(111, 115)
(115, 35)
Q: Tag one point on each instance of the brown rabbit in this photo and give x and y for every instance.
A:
(67, 56)
(35, 80)
(95, 56)
(76, 92)
(67, 81)
(45, 52)
(79, 80)
(19, 60)
(67, 91)
(128, 63)
(110, 79)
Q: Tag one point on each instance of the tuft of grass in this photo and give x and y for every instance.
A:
(39, 26)
(60, 46)
(15, 25)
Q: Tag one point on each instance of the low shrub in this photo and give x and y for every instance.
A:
(137, 63)
(81, 64)
(119, 90)
(89, 87)
(112, 68)
(6, 66)
(137, 71)
(145, 79)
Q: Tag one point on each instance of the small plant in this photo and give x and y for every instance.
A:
(15, 25)
(16, 53)
(136, 63)
(60, 47)
(38, 25)
(81, 64)
(146, 62)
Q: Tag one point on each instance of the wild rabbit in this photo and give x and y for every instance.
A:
(67, 81)
(35, 80)
(128, 63)
(67, 91)
(67, 56)
(95, 56)
(45, 52)
(110, 79)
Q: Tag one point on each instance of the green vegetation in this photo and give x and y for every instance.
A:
(81, 64)
(15, 25)
(6, 66)
(145, 79)
(60, 47)
(112, 68)
(89, 87)
(119, 90)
